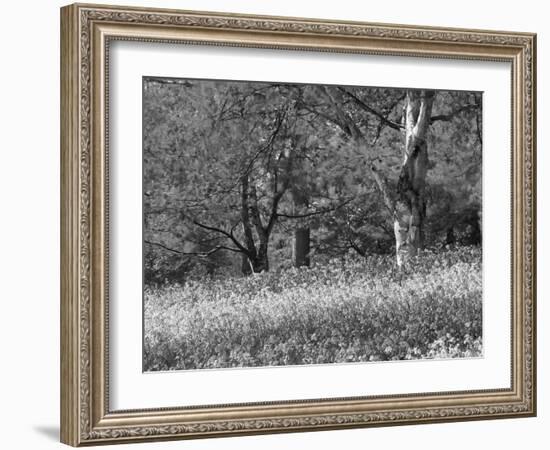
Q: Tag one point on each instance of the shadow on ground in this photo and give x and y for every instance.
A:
(49, 431)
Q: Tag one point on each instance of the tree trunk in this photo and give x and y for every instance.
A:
(261, 263)
(248, 259)
(410, 208)
(255, 260)
(246, 267)
(257, 264)
(301, 247)
(474, 222)
(450, 238)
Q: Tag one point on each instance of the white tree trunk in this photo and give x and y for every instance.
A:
(410, 208)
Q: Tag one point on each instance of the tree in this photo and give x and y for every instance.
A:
(301, 242)
(233, 168)
(410, 203)
(406, 200)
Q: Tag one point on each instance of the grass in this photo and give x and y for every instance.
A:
(348, 310)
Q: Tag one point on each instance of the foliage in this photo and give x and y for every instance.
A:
(349, 309)
(287, 148)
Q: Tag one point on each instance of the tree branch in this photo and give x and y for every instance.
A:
(158, 244)
(320, 114)
(353, 131)
(355, 247)
(382, 183)
(202, 254)
(245, 216)
(268, 145)
(255, 210)
(172, 81)
(225, 233)
(364, 106)
(277, 196)
(314, 213)
(451, 115)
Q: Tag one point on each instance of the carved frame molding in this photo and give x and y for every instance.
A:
(86, 31)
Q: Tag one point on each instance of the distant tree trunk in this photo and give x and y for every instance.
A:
(480, 227)
(410, 207)
(301, 245)
(450, 239)
(474, 222)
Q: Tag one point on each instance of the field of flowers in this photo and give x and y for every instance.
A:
(349, 310)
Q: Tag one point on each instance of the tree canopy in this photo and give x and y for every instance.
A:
(252, 176)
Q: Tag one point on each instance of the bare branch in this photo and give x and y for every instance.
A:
(364, 106)
(158, 244)
(355, 247)
(202, 254)
(279, 195)
(321, 114)
(315, 213)
(387, 115)
(222, 231)
(172, 81)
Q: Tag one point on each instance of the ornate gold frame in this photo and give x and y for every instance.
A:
(86, 31)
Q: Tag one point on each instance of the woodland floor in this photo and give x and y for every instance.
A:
(348, 310)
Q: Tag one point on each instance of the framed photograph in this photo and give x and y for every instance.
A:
(274, 224)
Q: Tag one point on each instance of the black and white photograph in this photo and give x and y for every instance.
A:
(300, 224)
